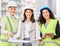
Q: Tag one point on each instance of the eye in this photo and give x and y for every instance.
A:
(43, 12)
(46, 12)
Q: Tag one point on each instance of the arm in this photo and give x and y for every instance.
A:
(3, 25)
(40, 34)
(4, 31)
(18, 31)
(57, 31)
(37, 31)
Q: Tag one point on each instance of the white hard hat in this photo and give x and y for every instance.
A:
(29, 6)
(12, 3)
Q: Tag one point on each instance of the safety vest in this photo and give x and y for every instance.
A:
(9, 27)
(50, 28)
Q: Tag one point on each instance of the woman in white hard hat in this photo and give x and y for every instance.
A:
(28, 28)
(9, 24)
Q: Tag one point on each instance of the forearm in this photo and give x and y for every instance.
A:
(3, 26)
(56, 36)
(57, 31)
(4, 32)
(37, 31)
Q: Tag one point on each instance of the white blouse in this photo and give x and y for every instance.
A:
(27, 30)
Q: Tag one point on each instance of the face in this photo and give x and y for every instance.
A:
(46, 14)
(12, 10)
(28, 14)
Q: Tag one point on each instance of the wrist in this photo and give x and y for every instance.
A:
(7, 33)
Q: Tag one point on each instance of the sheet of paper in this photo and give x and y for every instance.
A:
(14, 40)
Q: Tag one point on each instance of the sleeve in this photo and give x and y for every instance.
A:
(57, 31)
(40, 34)
(3, 26)
(18, 31)
(37, 31)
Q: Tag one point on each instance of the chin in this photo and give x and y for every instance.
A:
(12, 14)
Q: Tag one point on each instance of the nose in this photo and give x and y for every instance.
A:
(13, 10)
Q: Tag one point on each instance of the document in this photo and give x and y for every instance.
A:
(14, 40)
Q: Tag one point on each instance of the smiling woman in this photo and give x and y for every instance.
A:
(29, 15)
(49, 26)
(28, 28)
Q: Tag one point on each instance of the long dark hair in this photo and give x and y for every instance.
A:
(42, 19)
(32, 17)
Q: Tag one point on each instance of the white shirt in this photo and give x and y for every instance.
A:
(19, 30)
(27, 28)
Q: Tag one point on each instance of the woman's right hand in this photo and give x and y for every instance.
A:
(10, 34)
(43, 36)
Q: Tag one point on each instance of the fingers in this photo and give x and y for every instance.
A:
(10, 34)
(47, 35)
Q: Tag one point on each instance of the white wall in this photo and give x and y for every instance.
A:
(0, 8)
(39, 4)
(58, 8)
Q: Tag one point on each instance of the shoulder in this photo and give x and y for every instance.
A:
(54, 20)
(20, 22)
(4, 18)
(34, 23)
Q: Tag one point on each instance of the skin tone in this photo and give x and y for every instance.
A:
(46, 15)
(11, 11)
(28, 14)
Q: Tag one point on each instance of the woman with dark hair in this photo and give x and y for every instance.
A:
(26, 16)
(27, 28)
(49, 26)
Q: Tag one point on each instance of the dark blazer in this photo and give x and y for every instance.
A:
(57, 30)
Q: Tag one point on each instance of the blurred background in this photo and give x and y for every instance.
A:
(36, 5)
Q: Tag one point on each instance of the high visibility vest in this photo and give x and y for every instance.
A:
(9, 27)
(50, 28)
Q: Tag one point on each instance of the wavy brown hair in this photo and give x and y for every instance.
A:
(32, 17)
(41, 19)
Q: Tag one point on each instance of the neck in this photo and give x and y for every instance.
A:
(28, 20)
(47, 20)
(11, 14)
